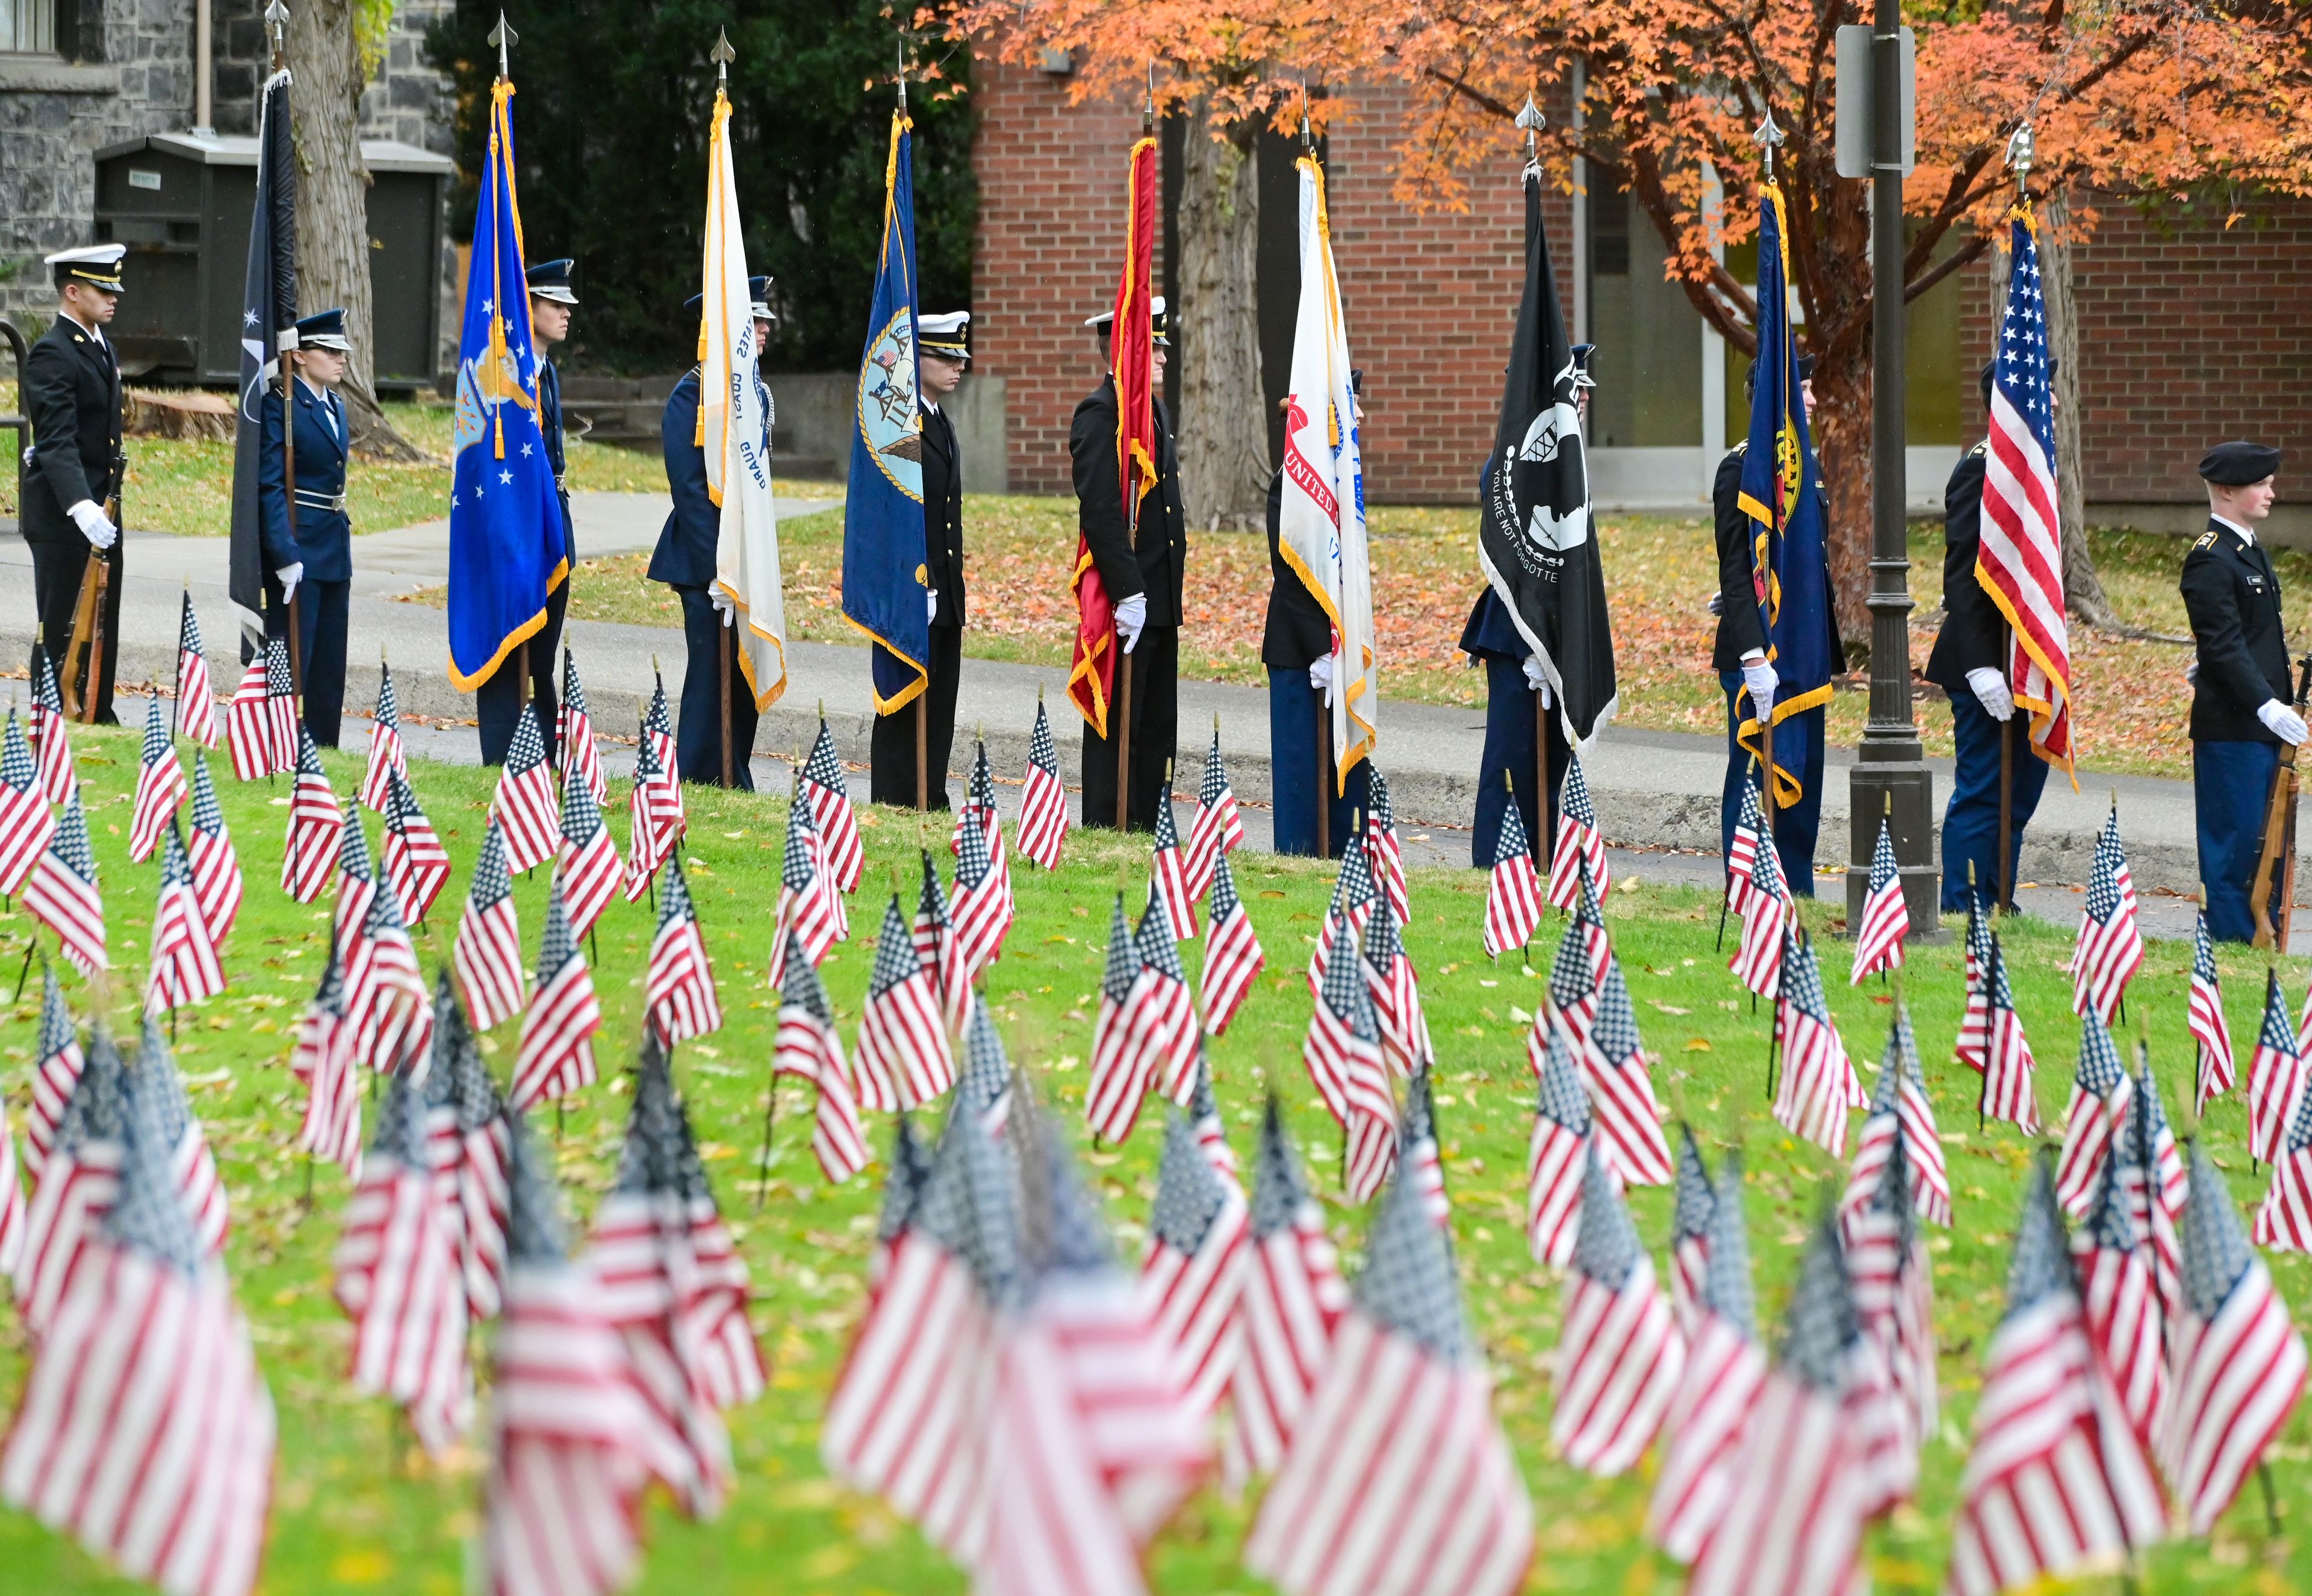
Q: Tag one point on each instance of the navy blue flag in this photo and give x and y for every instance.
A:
(884, 578)
(1782, 494)
(508, 547)
(268, 308)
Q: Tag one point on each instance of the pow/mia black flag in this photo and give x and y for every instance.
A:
(268, 309)
(1535, 540)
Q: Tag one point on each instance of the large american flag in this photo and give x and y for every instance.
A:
(1292, 1305)
(145, 1430)
(25, 823)
(161, 789)
(1198, 1233)
(574, 733)
(2236, 1363)
(316, 830)
(1162, 1022)
(525, 807)
(1557, 1157)
(1168, 875)
(1341, 1051)
(1395, 989)
(557, 1055)
(1513, 894)
(468, 1138)
(2119, 1288)
(2058, 1482)
(1817, 1084)
(678, 989)
(1725, 1370)
(829, 798)
(386, 757)
(2020, 559)
(1620, 1357)
(196, 698)
(903, 1057)
(61, 892)
(185, 967)
(1792, 1525)
(586, 864)
(1043, 804)
(56, 1063)
(2275, 1076)
(1885, 922)
(397, 1278)
(415, 862)
(807, 1047)
(2101, 1093)
(1217, 830)
(323, 1058)
(51, 737)
(1615, 1066)
(808, 900)
(1579, 841)
(1115, 1084)
(217, 868)
(1383, 847)
(1399, 1480)
(1900, 1111)
(2110, 948)
(487, 954)
(2211, 1031)
(1232, 952)
(2008, 1068)
(1766, 910)
(1354, 893)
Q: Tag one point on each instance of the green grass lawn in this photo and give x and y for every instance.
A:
(358, 1508)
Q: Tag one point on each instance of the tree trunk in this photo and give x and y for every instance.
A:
(1840, 423)
(1223, 435)
(333, 247)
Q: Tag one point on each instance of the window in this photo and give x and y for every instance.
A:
(27, 25)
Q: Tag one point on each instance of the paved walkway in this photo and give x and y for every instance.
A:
(1654, 790)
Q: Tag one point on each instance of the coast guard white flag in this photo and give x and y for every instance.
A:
(734, 428)
(1321, 525)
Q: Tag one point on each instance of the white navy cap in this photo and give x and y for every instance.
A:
(947, 334)
(1156, 321)
(97, 265)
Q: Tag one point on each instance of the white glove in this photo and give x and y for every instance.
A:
(2281, 722)
(931, 604)
(1759, 676)
(1991, 691)
(1131, 615)
(1320, 676)
(93, 523)
(289, 576)
(2192, 675)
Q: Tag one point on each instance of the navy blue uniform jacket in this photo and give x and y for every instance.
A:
(685, 556)
(323, 541)
(72, 392)
(2233, 597)
(1973, 626)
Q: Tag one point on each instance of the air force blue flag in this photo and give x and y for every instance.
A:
(1782, 494)
(883, 553)
(508, 547)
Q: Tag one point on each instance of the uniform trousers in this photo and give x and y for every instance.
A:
(698, 732)
(1971, 820)
(1798, 754)
(1509, 764)
(2231, 786)
(58, 565)
(1155, 666)
(321, 611)
(1294, 779)
(891, 741)
(497, 701)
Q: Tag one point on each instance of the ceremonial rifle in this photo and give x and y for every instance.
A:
(2277, 862)
(83, 662)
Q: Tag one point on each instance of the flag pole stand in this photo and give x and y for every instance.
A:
(1542, 801)
(2007, 794)
(1324, 779)
(722, 669)
(923, 749)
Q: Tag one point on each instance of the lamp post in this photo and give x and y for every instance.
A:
(1890, 780)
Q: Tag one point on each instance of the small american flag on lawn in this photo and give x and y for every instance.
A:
(829, 798)
(285, 725)
(1217, 830)
(1900, 1111)
(1817, 1082)
(1758, 961)
(1342, 1055)
(1895, 1401)
(1974, 1022)
(1557, 1157)
(1204, 1114)
(1579, 841)
(415, 862)
(984, 1085)
(903, 1058)
(12, 1201)
(145, 1430)
(154, 1081)
(2275, 1076)
(586, 864)
(2120, 1290)
(1232, 952)
(385, 991)
(979, 913)
(25, 823)
(397, 1278)
(1417, 1149)
(469, 1139)
(1395, 991)
(323, 1058)
(1383, 847)
(2110, 948)
(1292, 1303)
(61, 892)
(679, 987)
(2058, 1482)
(2100, 1094)
(807, 1047)
(488, 952)
(1194, 1271)
(1614, 1066)
(807, 898)
(1570, 1000)
(1885, 922)
(51, 739)
(184, 960)
(979, 804)
(196, 698)
(1619, 1356)
(1513, 894)
(649, 836)
(1356, 1505)
(1044, 805)
(557, 1055)
(933, 931)
(161, 789)
(1117, 1083)
(1168, 874)
(525, 807)
(386, 758)
(217, 868)
(249, 722)
(1693, 1206)
(1725, 1370)
(574, 733)
(2157, 1186)
(76, 1181)
(315, 827)
(56, 1063)
(2210, 1030)
(1162, 1021)
(2284, 1222)
(356, 888)
(2008, 1066)
(1742, 853)
(1354, 893)
(669, 820)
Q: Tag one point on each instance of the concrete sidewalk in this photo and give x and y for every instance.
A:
(1653, 790)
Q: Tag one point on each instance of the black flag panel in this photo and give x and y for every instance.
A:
(268, 308)
(1535, 539)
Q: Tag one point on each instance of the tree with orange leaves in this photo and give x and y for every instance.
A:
(2127, 97)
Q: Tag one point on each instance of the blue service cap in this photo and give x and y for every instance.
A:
(323, 330)
(550, 280)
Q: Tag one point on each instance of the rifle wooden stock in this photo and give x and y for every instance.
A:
(2276, 862)
(83, 661)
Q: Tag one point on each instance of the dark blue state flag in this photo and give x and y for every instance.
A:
(268, 309)
(508, 547)
(884, 578)
(1782, 494)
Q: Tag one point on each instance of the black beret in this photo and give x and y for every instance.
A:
(2237, 464)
